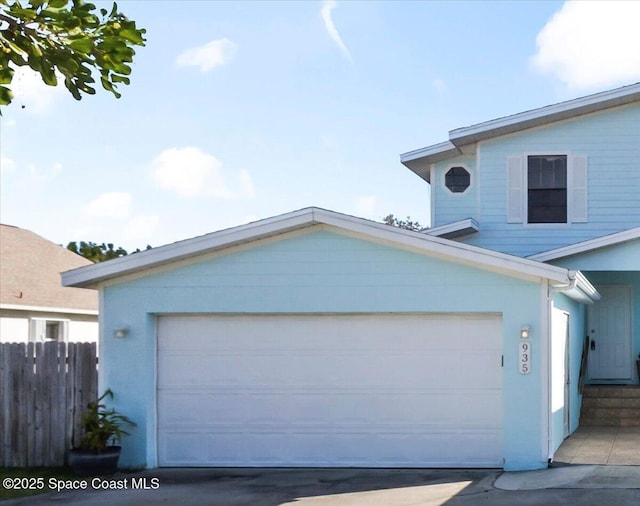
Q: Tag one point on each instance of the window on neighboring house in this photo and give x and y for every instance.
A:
(43, 330)
(457, 179)
(547, 189)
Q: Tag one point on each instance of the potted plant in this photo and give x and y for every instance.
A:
(102, 429)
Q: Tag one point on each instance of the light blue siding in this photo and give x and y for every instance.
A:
(448, 206)
(613, 265)
(319, 272)
(611, 142)
(619, 257)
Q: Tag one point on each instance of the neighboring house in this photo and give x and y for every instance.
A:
(320, 339)
(34, 307)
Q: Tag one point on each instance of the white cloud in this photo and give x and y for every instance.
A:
(115, 205)
(30, 91)
(208, 56)
(325, 12)
(591, 44)
(365, 206)
(192, 172)
(141, 228)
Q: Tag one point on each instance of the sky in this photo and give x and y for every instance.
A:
(239, 111)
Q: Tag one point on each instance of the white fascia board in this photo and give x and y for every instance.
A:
(545, 115)
(419, 160)
(92, 275)
(586, 246)
(448, 249)
(455, 229)
(46, 309)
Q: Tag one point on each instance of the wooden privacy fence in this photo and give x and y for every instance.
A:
(43, 389)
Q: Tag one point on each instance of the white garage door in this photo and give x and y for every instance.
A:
(358, 390)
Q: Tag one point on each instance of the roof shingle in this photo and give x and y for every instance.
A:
(30, 268)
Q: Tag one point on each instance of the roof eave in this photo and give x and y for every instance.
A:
(419, 161)
(545, 115)
(587, 246)
(461, 139)
(580, 289)
(92, 276)
(455, 229)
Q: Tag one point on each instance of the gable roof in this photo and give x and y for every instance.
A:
(587, 246)
(461, 140)
(91, 276)
(30, 268)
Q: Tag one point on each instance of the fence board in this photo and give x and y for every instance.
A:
(29, 394)
(4, 407)
(43, 389)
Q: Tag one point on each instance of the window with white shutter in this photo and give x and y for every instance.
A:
(547, 189)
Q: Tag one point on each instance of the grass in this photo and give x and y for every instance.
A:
(32, 473)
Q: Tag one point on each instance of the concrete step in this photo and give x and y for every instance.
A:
(611, 402)
(611, 406)
(612, 391)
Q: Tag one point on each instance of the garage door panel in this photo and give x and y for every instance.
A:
(392, 390)
(347, 448)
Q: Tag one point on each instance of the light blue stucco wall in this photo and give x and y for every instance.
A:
(326, 272)
(577, 333)
(611, 142)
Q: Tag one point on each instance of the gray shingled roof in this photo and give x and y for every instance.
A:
(30, 268)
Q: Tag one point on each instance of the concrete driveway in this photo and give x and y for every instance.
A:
(584, 485)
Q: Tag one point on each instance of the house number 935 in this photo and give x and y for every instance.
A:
(525, 357)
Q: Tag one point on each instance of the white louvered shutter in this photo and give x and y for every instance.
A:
(515, 189)
(578, 189)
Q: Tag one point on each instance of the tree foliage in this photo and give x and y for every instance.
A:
(407, 224)
(99, 252)
(68, 38)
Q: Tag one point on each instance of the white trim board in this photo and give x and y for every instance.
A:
(586, 246)
(45, 309)
(91, 276)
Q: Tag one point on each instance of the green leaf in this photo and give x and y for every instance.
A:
(6, 95)
(83, 45)
(68, 37)
(19, 12)
(6, 75)
(133, 35)
(120, 79)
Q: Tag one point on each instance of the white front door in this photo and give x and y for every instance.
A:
(328, 390)
(609, 326)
